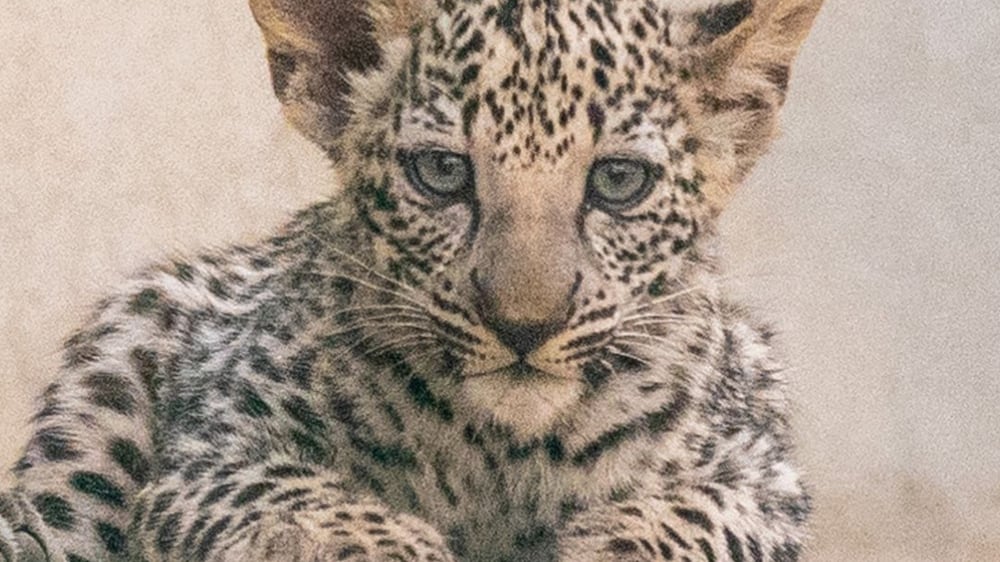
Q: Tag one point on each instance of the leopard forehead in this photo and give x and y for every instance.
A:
(534, 93)
(531, 84)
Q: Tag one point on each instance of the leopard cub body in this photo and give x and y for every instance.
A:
(502, 340)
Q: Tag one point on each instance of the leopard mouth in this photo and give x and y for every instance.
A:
(517, 371)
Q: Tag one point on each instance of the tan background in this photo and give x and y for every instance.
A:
(132, 129)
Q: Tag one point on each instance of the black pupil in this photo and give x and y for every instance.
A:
(442, 172)
(618, 174)
(447, 164)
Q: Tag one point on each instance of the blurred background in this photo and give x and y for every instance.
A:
(870, 235)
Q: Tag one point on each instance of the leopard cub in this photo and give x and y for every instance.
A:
(503, 339)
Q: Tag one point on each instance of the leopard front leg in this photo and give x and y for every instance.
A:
(703, 523)
(274, 511)
(22, 534)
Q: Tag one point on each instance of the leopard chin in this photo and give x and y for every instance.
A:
(522, 398)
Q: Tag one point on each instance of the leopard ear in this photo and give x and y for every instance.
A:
(313, 46)
(756, 37)
(739, 64)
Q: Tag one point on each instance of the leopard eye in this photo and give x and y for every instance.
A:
(439, 173)
(617, 184)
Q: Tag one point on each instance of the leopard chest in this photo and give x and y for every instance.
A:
(494, 499)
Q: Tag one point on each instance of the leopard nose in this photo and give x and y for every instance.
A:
(522, 339)
(521, 323)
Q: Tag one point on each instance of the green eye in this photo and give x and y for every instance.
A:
(439, 173)
(618, 183)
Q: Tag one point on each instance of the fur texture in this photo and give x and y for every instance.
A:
(522, 370)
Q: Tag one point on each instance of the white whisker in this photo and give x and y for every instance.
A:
(399, 343)
(368, 268)
(615, 350)
(364, 308)
(409, 298)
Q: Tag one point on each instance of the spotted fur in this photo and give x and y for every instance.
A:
(516, 374)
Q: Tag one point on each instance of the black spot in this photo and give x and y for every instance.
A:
(248, 520)
(309, 447)
(217, 493)
(144, 302)
(112, 537)
(282, 67)
(723, 18)
(532, 538)
(601, 79)
(349, 551)
(712, 494)
(261, 363)
(252, 492)
(110, 391)
(70, 557)
(474, 45)
(778, 75)
(597, 117)
(658, 287)
(392, 456)
(622, 546)
(192, 533)
(363, 475)
(301, 369)
(251, 404)
(707, 550)
(695, 517)
(294, 493)
(756, 553)
(300, 410)
(166, 536)
(734, 546)
(517, 452)
(196, 469)
(469, 112)
(421, 394)
(654, 422)
(212, 535)
(160, 505)
(639, 30)
(633, 511)
(595, 374)
(470, 74)
(184, 271)
(601, 53)
(555, 448)
(675, 536)
(56, 512)
(129, 457)
(55, 445)
(145, 363)
(692, 186)
(81, 354)
(441, 478)
(289, 471)
(373, 518)
(99, 487)
(788, 552)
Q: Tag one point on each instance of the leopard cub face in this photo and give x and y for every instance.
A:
(536, 178)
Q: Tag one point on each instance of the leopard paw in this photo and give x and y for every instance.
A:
(355, 533)
(19, 531)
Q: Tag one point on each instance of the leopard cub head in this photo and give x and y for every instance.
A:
(537, 177)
